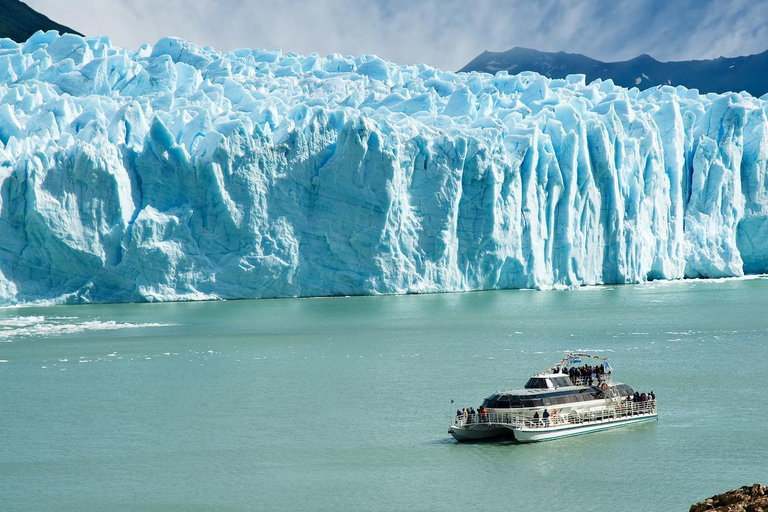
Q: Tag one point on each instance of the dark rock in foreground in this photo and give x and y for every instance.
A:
(752, 498)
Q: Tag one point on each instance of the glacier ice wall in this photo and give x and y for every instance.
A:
(177, 172)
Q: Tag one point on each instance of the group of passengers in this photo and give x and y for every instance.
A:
(544, 418)
(469, 415)
(641, 401)
(585, 373)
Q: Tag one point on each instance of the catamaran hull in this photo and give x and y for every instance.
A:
(533, 435)
(479, 431)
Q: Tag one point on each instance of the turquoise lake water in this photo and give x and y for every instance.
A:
(343, 404)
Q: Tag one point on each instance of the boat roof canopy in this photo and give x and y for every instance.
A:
(578, 358)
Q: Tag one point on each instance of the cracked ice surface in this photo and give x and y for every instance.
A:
(178, 172)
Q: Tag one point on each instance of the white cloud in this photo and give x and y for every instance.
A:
(445, 33)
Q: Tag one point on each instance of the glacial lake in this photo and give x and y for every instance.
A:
(343, 403)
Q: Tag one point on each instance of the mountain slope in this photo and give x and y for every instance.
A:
(719, 75)
(18, 21)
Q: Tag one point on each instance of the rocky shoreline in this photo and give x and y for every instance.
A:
(750, 498)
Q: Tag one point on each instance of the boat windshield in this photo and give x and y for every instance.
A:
(561, 382)
(536, 383)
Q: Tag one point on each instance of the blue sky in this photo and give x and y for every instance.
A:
(446, 33)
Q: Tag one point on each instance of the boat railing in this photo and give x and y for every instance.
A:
(593, 380)
(625, 409)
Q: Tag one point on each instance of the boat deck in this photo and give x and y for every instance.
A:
(513, 420)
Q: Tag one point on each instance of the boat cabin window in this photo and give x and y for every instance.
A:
(532, 402)
(506, 401)
(503, 402)
(561, 382)
(536, 383)
(559, 400)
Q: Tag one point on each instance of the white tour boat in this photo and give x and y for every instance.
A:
(568, 399)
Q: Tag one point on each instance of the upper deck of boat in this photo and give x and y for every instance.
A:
(553, 382)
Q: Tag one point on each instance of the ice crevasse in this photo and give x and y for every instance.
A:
(179, 172)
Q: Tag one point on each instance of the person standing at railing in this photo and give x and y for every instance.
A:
(546, 418)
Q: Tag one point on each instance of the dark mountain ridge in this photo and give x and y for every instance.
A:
(18, 21)
(748, 73)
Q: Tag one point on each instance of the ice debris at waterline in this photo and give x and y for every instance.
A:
(178, 172)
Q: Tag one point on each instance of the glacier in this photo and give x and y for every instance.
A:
(176, 172)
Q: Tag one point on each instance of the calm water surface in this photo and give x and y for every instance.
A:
(343, 404)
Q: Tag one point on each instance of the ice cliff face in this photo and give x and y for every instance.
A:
(176, 172)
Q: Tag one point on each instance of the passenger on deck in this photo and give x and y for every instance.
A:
(546, 418)
(536, 418)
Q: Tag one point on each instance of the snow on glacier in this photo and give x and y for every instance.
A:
(178, 172)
